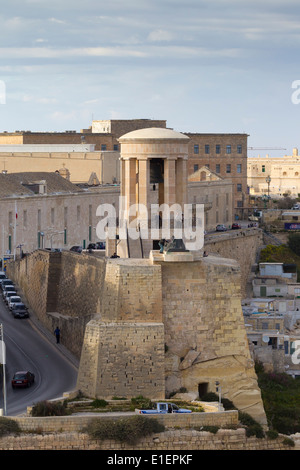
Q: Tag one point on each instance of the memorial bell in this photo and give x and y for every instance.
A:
(156, 170)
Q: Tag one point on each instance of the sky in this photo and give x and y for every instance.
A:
(215, 66)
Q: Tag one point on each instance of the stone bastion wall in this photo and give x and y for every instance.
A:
(147, 327)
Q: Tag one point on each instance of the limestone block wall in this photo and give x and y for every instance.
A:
(239, 245)
(179, 439)
(63, 289)
(122, 359)
(132, 291)
(205, 334)
(31, 275)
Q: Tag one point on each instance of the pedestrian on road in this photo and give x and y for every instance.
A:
(57, 334)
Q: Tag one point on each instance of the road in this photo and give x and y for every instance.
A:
(28, 349)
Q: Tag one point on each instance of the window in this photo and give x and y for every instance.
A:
(240, 203)
(196, 168)
(196, 148)
(116, 147)
(228, 168)
(228, 149)
(239, 168)
(206, 149)
(218, 148)
(263, 168)
(239, 187)
(239, 149)
(218, 168)
(103, 147)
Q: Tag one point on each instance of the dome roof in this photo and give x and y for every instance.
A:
(152, 133)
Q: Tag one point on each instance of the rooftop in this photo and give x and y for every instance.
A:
(25, 184)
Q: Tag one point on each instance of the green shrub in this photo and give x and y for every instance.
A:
(141, 403)
(211, 396)
(271, 434)
(47, 408)
(253, 428)
(99, 403)
(288, 442)
(8, 426)
(212, 429)
(128, 430)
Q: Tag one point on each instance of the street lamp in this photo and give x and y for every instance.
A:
(268, 180)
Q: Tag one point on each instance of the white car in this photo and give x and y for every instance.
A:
(13, 300)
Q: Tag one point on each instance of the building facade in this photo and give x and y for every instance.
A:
(274, 176)
(44, 210)
(225, 155)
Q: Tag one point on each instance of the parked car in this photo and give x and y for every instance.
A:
(13, 300)
(235, 226)
(2, 276)
(253, 218)
(8, 295)
(76, 248)
(221, 228)
(6, 282)
(19, 310)
(7, 289)
(23, 378)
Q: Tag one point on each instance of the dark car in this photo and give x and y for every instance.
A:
(20, 310)
(235, 226)
(77, 249)
(6, 282)
(23, 378)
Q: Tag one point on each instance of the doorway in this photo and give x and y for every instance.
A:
(202, 389)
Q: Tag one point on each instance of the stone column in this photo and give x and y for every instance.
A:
(144, 189)
(129, 183)
(181, 182)
(170, 181)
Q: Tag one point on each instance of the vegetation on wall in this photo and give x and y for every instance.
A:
(281, 399)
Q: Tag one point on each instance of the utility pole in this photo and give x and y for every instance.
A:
(3, 360)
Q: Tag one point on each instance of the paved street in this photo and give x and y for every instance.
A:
(28, 349)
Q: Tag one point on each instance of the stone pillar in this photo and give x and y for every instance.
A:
(181, 182)
(170, 181)
(129, 182)
(144, 190)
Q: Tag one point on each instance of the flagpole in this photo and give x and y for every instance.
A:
(15, 229)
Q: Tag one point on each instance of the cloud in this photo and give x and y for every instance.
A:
(160, 35)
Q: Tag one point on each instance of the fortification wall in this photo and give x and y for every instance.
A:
(63, 289)
(241, 245)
